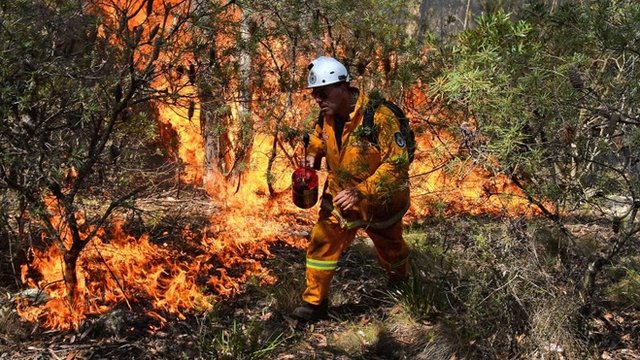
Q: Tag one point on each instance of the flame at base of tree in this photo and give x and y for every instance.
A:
(113, 269)
(185, 125)
(446, 179)
(118, 269)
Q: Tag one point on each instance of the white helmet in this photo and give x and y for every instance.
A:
(326, 70)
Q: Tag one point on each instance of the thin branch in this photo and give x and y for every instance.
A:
(113, 275)
(114, 205)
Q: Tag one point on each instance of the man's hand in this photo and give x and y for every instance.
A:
(347, 198)
(308, 161)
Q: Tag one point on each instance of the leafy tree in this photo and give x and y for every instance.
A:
(555, 97)
(76, 78)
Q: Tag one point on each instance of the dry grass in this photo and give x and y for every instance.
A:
(479, 288)
(553, 332)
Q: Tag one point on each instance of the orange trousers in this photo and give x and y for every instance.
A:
(328, 242)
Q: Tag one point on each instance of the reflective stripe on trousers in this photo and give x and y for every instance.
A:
(328, 242)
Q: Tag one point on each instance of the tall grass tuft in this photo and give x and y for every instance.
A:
(237, 341)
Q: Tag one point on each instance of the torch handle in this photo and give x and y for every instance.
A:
(305, 141)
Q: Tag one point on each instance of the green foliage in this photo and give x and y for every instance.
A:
(488, 77)
(420, 294)
(69, 96)
(238, 341)
(43, 90)
(490, 287)
(626, 289)
(554, 96)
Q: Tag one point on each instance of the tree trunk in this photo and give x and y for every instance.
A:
(245, 95)
(216, 145)
(228, 137)
(71, 276)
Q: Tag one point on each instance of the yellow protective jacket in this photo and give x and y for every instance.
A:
(379, 171)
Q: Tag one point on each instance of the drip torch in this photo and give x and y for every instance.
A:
(304, 182)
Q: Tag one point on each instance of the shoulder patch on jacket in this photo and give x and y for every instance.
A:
(400, 141)
(406, 137)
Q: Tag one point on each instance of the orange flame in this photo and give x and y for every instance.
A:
(117, 268)
(443, 183)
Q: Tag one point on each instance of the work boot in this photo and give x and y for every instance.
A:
(311, 313)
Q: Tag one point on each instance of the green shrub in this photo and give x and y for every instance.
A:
(237, 340)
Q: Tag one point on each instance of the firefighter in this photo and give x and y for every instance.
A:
(367, 183)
